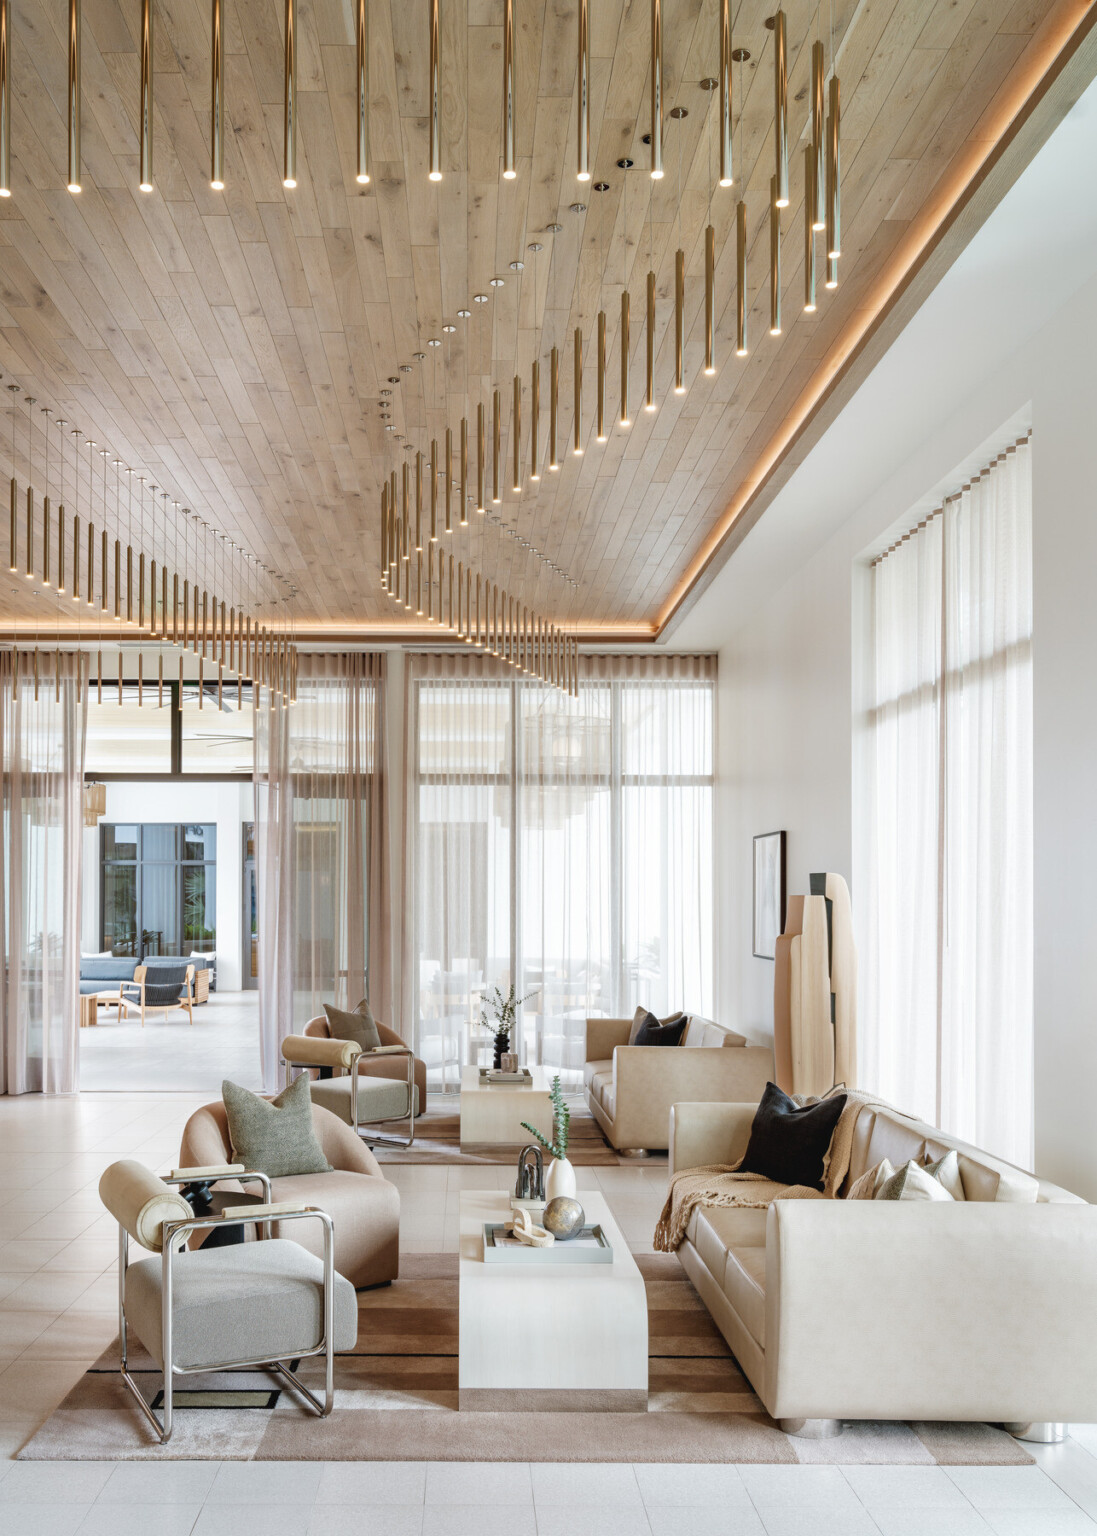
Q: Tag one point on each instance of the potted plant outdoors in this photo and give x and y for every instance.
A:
(501, 1017)
(560, 1179)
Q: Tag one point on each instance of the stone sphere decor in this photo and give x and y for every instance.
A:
(563, 1217)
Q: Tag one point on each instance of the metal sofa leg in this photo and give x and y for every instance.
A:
(811, 1429)
(633, 1152)
(1038, 1433)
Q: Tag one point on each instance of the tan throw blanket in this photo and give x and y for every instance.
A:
(723, 1185)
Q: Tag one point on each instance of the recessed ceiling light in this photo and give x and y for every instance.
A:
(463, 314)
(449, 329)
(479, 298)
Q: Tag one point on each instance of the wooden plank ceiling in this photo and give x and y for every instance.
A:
(233, 345)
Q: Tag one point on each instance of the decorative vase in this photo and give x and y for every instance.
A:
(560, 1179)
(509, 1061)
(502, 1043)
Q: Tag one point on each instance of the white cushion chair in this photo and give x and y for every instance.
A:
(630, 1088)
(251, 1304)
(973, 1309)
(346, 1086)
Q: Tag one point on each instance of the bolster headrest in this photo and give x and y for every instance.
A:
(311, 1051)
(141, 1202)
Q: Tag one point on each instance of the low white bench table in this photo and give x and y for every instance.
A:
(561, 1338)
(492, 1113)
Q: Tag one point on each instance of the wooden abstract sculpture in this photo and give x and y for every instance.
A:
(815, 991)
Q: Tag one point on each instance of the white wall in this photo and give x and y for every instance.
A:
(1009, 336)
(229, 806)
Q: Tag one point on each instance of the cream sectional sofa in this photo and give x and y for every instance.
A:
(982, 1309)
(630, 1088)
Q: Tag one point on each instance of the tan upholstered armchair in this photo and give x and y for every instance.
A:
(380, 1066)
(630, 1088)
(364, 1206)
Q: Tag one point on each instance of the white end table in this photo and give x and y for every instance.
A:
(492, 1113)
(558, 1339)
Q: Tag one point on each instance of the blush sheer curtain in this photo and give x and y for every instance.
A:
(562, 845)
(42, 730)
(948, 864)
(322, 909)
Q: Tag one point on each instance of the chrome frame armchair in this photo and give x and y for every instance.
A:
(174, 1239)
(312, 1053)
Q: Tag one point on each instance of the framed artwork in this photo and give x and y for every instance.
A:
(769, 893)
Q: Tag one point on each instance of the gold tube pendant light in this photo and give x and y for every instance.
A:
(582, 84)
(449, 479)
(75, 557)
(46, 514)
(186, 613)
(418, 503)
(104, 572)
(361, 34)
(29, 572)
(419, 584)
(741, 278)
(145, 125)
(72, 112)
(600, 398)
(468, 605)
(624, 356)
(61, 550)
(496, 445)
(289, 116)
(649, 391)
(710, 300)
(774, 260)
(384, 535)
(554, 405)
(476, 640)
(464, 474)
(217, 100)
(160, 683)
(679, 322)
(90, 599)
(516, 434)
(129, 583)
(5, 98)
(818, 132)
(534, 418)
(809, 230)
(141, 591)
(656, 90)
(726, 171)
(460, 608)
(430, 583)
(434, 490)
(834, 173)
(481, 449)
(780, 108)
(405, 501)
(175, 607)
(13, 533)
(434, 86)
(509, 171)
(577, 369)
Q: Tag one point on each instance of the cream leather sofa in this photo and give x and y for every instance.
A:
(983, 1309)
(630, 1088)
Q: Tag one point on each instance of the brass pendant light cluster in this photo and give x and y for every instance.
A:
(179, 584)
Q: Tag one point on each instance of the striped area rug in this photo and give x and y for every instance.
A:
(396, 1400)
(438, 1140)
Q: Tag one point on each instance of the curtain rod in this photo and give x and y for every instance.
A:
(955, 496)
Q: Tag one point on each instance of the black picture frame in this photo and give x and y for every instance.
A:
(768, 906)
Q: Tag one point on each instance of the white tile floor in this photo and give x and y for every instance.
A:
(57, 1312)
(171, 1055)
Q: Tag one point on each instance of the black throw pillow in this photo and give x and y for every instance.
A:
(651, 1032)
(788, 1144)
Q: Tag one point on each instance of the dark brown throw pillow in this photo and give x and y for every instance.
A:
(651, 1032)
(787, 1143)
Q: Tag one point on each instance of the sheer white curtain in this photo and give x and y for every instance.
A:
(318, 779)
(948, 979)
(42, 726)
(562, 844)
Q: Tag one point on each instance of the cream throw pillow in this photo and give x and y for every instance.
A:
(911, 1182)
(946, 1170)
(866, 1186)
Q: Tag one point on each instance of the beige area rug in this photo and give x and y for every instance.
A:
(396, 1400)
(438, 1140)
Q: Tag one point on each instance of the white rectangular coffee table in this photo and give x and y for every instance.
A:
(558, 1339)
(492, 1113)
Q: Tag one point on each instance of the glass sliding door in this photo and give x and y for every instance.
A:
(159, 889)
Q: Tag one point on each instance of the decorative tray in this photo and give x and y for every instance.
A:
(523, 1078)
(590, 1245)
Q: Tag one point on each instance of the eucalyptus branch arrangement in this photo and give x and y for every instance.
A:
(561, 1124)
(501, 1013)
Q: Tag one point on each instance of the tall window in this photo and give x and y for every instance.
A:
(159, 888)
(562, 844)
(948, 987)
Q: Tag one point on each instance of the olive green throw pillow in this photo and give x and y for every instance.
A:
(359, 1026)
(274, 1136)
